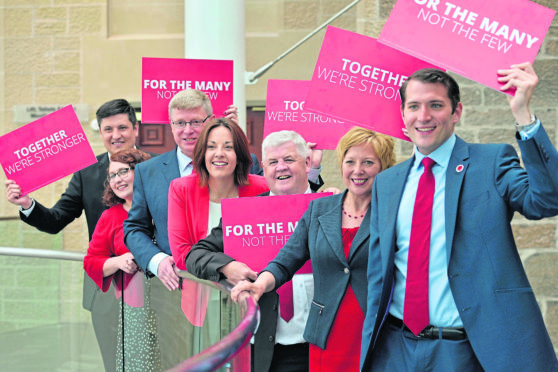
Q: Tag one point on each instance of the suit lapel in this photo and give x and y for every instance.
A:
(362, 234)
(331, 226)
(457, 167)
(169, 166)
(389, 199)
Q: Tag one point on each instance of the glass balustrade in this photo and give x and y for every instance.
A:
(44, 327)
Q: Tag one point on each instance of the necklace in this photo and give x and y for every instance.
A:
(348, 215)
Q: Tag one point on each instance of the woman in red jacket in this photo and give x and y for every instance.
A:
(221, 170)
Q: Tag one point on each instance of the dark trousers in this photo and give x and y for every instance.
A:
(287, 358)
(397, 349)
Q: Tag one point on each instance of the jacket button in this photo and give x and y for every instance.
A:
(346, 270)
(270, 338)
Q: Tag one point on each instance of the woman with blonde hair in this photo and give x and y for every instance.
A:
(334, 234)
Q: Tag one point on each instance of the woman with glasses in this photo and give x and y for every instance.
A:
(109, 260)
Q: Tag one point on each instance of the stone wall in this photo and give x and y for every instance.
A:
(89, 51)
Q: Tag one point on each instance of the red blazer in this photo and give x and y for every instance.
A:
(189, 212)
(107, 241)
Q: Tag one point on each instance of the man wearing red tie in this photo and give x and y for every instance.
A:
(446, 287)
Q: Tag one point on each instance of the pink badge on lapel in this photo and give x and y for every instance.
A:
(459, 168)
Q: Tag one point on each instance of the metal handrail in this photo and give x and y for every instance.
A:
(211, 358)
(41, 253)
(223, 351)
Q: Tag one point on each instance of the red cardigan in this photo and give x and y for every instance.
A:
(189, 212)
(107, 241)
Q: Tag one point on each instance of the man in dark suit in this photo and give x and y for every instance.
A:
(480, 310)
(278, 345)
(118, 129)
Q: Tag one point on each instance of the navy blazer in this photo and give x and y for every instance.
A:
(318, 237)
(486, 276)
(145, 230)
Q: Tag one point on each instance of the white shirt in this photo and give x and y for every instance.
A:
(185, 167)
(303, 291)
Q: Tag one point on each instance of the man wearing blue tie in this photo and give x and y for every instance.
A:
(446, 287)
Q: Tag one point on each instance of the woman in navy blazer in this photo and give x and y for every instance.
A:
(334, 234)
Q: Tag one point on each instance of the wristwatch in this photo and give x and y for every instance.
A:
(526, 127)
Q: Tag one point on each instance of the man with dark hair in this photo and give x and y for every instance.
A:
(447, 290)
(118, 129)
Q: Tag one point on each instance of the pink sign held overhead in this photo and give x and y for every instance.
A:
(162, 78)
(45, 150)
(473, 38)
(284, 110)
(256, 228)
(357, 79)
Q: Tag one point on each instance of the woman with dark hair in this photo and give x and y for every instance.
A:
(108, 259)
(221, 170)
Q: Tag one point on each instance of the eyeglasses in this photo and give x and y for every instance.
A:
(123, 172)
(193, 123)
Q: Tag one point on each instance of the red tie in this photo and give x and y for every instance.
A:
(286, 307)
(415, 308)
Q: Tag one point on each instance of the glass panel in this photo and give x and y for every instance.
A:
(140, 325)
(186, 322)
(43, 326)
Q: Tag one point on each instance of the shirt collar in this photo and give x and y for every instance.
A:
(183, 160)
(441, 155)
(109, 154)
(308, 191)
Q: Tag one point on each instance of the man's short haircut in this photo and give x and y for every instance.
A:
(279, 138)
(356, 136)
(241, 149)
(434, 76)
(189, 99)
(116, 107)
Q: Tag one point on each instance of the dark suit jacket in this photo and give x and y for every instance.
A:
(84, 193)
(493, 296)
(145, 230)
(204, 261)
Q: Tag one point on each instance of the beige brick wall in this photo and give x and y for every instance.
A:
(89, 51)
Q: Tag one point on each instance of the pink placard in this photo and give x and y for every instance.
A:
(357, 79)
(255, 229)
(162, 78)
(45, 150)
(473, 38)
(284, 110)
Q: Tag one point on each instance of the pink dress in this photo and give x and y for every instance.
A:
(343, 343)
